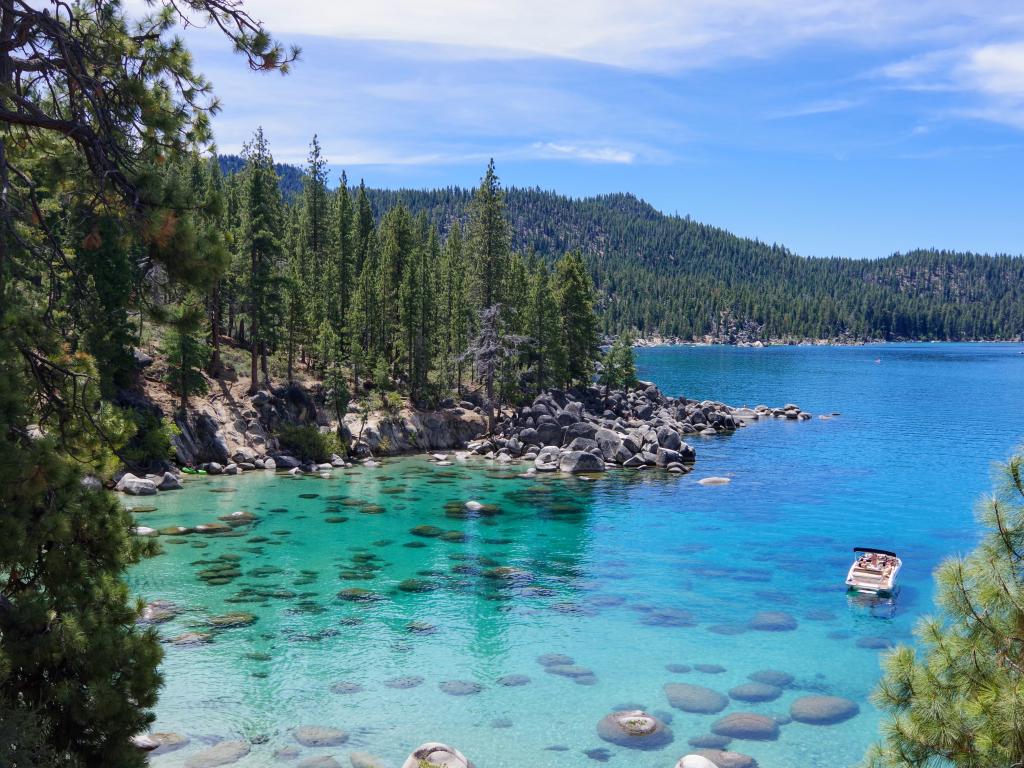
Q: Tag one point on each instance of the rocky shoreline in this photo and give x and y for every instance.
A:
(584, 430)
(589, 431)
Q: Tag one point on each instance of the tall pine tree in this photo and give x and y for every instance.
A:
(576, 308)
(489, 238)
(261, 246)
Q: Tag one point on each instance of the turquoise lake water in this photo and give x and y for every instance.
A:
(626, 575)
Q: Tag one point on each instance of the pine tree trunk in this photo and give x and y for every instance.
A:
(291, 357)
(215, 331)
(490, 402)
(254, 356)
(184, 381)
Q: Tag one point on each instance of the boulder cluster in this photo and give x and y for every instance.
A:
(588, 430)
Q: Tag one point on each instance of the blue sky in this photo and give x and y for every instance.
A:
(853, 128)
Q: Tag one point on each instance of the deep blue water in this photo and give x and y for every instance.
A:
(608, 567)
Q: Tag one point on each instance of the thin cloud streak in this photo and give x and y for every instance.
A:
(654, 36)
(815, 108)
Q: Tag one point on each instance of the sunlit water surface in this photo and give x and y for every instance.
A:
(610, 570)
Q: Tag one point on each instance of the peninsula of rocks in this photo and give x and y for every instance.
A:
(582, 430)
(586, 430)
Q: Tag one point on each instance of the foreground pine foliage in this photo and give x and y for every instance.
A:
(959, 699)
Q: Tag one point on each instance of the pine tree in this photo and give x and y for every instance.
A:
(316, 274)
(454, 307)
(186, 351)
(544, 327)
(576, 308)
(261, 246)
(397, 243)
(488, 240)
(363, 226)
(99, 114)
(618, 366)
(296, 292)
(344, 272)
(364, 336)
(102, 310)
(220, 221)
(959, 699)
(490, 351)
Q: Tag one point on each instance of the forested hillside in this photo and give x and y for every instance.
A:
(678, 277)
(673, 276)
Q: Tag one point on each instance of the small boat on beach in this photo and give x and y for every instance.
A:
(874, 571)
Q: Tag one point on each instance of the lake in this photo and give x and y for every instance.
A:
(438, 631)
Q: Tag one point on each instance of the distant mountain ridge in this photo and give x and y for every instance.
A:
(672, 276)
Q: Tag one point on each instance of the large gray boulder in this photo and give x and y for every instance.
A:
(669, 438)
(720, 758)
(666, 456)
(549, 434)
(610, 444)
(436, 755)
(284, 461)
(582, 444)
(169, 482)
(136, 486)
(622, 454)
(580, 461)
(695, 761)
(579, 429)
(530, 436)
(199, 439)
(245, 454)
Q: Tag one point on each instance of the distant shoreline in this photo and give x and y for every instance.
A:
(762, 344)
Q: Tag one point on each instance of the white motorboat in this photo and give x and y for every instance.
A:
(874, 571)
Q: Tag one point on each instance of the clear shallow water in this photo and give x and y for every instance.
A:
(609, 563)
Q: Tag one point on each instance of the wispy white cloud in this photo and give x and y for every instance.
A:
(596, 154)
(652, 35)
(822, 107)
(990, 76)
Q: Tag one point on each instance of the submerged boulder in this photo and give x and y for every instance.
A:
(695, 698)
(755, 692)
(634, 729)
(319, 761)
(460, 687)
(436, 755)
(775, 677)
(224, 753)
(747, 725)
(319, 736)
(772, 621)
(365, 760)
(823, 710)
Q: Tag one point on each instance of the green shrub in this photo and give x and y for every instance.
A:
(151, 441)
(308, 443)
